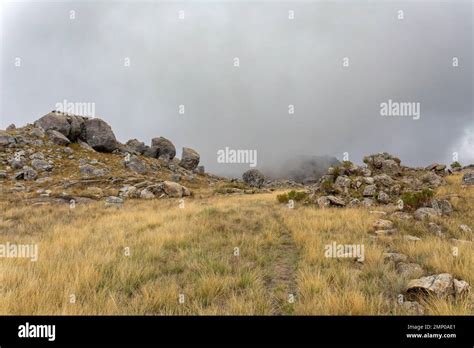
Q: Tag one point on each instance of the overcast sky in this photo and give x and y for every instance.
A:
(283, 62)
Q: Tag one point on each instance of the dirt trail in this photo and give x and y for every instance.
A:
(282, 280)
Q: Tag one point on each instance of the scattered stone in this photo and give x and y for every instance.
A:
(94, 192)
(42, 165)
(173, 189)
(11, 127)
(402, 215)
(383, 197)
(367, 202)
(145, 194)
(175, 177)
(435, 229)
(254, 178)
(442, 205)
(389, 232)
(354, 202)
(128, 192)
(323, 202)
(68, 151)
(383, 224)
(89, 170)
(369, 190)
(27, 174)
(395, 257)
(465, 228)
(113, 201)
(136, 164)
(336, 201)
(411, 238)
(426, 213)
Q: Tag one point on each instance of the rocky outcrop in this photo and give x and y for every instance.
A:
(94, 131)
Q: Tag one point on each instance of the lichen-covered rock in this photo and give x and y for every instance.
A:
(57, 137)
(98, 134)
(253, 177)
(189, 158)
(426, 213)
(166, 150)
(173, 189)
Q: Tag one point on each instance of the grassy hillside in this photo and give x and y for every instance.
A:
(158, 257)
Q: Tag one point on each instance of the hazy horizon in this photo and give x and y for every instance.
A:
(190, 61)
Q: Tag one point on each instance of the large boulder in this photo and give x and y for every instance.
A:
(189, 159)
(166, 149)
(253, 177)
(98, 134)
(54, 121)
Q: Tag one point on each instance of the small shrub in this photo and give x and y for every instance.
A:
(456, 164)
(336, 172)
(347, 164)
(292, 195)
(415, 200)
(327, 186)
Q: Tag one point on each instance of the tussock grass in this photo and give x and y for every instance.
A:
(191, 251)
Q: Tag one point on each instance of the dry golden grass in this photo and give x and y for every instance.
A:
(191, 251)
